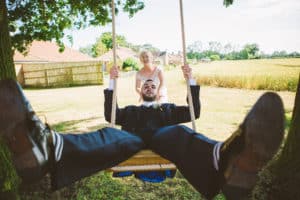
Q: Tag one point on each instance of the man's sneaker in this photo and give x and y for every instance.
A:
(26, 136)
(252, 145)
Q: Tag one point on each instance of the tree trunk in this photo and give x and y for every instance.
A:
(281, 178)
(7, 69)
(9, 180)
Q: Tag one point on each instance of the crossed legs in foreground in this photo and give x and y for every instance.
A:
(231, 166)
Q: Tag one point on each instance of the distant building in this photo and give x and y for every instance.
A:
(205, 60)
(164, 58)
(122, 53)
(45, 56)
(44, 51)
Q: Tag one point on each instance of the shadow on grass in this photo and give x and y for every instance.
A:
(102, 186)
(41, 87)
(71, 125)
(289, 65)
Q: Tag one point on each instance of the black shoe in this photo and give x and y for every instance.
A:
(252, 145)
(29, 140)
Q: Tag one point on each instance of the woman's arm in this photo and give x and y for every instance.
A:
(161, 83)
(138, 86)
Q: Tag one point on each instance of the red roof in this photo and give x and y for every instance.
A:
(42, 51)
(122, 53)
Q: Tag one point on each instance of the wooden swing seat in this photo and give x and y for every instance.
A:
(145, 160)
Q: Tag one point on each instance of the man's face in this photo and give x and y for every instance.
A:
(149, 91)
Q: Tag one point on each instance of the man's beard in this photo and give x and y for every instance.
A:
(147, 98)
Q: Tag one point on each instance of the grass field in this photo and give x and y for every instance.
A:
(269, 74)
(80, 109)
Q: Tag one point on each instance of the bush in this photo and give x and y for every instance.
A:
(214, 57)
(130, 63)
(169, 67)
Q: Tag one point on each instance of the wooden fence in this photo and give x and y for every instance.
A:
(61, 74)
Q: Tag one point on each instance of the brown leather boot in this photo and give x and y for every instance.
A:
(252, 146)
(29, 140)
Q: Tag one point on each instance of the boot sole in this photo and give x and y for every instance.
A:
(262, 130)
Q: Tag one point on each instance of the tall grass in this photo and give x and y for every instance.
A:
(256, 82)
(272, 74)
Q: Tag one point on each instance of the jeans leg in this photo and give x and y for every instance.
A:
(85, 154)
(192, 153)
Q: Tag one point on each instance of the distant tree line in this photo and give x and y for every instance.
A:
(104, 43)
(281, 54)
(216, 51)
(211, 51)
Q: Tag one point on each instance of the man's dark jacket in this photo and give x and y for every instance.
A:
(144, 121)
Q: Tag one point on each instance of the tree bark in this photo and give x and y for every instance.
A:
(292, 145)
(7, 69)
(9, 180)
(281, 178)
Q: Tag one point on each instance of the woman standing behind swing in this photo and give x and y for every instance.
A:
(155, 73)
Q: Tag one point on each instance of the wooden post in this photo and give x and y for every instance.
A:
(99, 73)
(46, 78)
(71, 75)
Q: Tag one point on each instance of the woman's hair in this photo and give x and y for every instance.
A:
(145, 52)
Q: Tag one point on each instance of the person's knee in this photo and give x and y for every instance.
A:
(125, 140)
(169, 131)
(132, 143)
(169, 136)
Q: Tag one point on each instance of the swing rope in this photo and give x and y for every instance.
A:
(114, 101)
(190, 99)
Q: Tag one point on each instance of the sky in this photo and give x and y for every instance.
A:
(272, 24)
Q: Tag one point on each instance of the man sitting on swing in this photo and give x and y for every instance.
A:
(210, 166)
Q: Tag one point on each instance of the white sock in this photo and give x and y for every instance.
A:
(58, 143)
(216, 155)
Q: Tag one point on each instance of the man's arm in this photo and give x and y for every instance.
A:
(181, 114)
(108, 98)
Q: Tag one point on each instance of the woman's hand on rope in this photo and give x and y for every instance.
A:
(114, 72)
(140, 98)
(187, 71)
